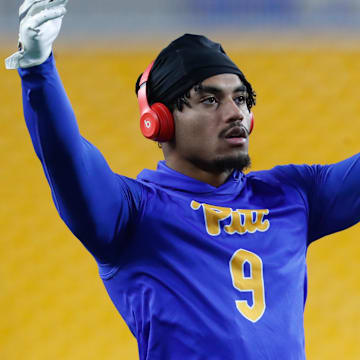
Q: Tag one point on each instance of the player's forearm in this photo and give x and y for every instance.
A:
(48, 113)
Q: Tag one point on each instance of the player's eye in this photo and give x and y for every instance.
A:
(209, 100)
(240, 100)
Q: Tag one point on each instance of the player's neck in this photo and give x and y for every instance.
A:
(215, 179)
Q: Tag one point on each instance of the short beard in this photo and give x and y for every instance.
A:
(230, 163)
(223, 164)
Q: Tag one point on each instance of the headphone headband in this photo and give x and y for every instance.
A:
(145, 76)
(142, 96)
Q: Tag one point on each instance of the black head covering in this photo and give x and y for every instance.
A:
(187, 61)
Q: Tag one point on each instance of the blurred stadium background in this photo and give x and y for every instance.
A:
(302, 57)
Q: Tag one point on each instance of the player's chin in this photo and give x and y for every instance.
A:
(235, 161)
(234, 151)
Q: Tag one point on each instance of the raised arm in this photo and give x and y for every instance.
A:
(331, 193)
(336, 201)
(96, 204)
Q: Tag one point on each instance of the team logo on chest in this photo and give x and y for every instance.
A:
(242, 221)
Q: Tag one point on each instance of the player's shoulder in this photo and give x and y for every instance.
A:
(291, 174)
(132, 189)
(136, 190)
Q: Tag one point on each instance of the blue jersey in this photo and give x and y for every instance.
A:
(196, 271)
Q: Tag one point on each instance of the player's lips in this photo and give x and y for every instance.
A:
(236, 135)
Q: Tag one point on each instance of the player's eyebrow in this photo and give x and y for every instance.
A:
(216, 90)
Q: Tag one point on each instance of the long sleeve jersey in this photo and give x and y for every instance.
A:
(197, 272)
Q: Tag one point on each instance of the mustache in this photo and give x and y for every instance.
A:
(236, 123)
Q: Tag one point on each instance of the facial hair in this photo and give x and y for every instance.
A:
(222, 164)
(229, 163)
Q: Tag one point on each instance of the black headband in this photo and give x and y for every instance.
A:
(187, 61)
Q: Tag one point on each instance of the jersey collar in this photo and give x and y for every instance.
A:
(169, 178)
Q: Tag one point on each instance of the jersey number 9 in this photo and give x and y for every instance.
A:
(253, 282)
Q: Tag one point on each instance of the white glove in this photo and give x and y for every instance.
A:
(40, 23)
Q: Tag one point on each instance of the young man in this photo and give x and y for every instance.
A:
(201, 260)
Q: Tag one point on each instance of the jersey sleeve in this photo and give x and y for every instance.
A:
(331, 194)
(97, 205)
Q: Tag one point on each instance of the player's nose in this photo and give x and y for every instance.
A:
(232, 112)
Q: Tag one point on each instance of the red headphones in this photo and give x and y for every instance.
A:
(157, 122)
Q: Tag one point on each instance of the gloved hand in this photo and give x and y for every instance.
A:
(40, 23)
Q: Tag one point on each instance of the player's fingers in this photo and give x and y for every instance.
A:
(33, 7)
(46, 15)
(45, 4)
(25, 7)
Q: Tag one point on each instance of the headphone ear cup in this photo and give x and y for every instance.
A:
(166, 122)
(252, 121)
(149, 125)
